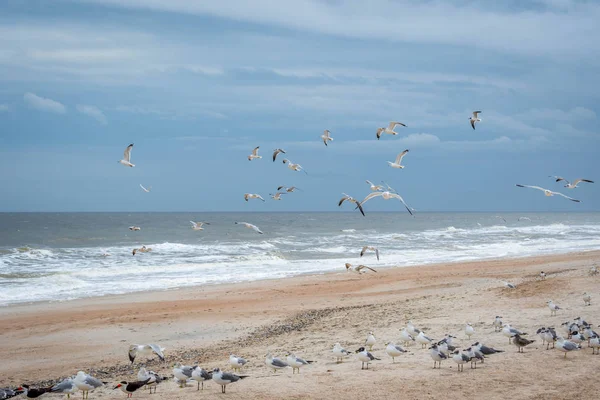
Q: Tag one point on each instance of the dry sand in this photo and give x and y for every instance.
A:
(307, 315)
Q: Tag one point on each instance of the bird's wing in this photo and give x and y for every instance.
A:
(277, 151)
(378, 134)
(255, 151)
(370, 196)
(346, 197)
(393, 124)
(258, 196)
(360, 208)
(127, 153)
(143, 188)
(280, 187)
(377, 253)
(476, 114)
(158, 351)
(567, 197)
(362, 252)
(576, 181)
(194, 224)
(400, 156)
(473, 123)
(255, 228)
(364, 266)
(132, 352)
(532, 187)
(397, 196)
(326, 133)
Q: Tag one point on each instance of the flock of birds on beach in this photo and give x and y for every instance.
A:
(571, 336)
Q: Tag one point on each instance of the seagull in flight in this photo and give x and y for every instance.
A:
(358, 269)
(277, 151)
(365, 248)
(254, 154)
(250, 226)
(549, 193)
(351, 200)
(475, 118)
(288, 189)
(248, 196)
(389, 130)
(146, 190)
(277, 196)
(375, 188)
(325, 136)
(571, 185)
(134, 349)
(397, 163)
(294, 167)
(197, 226)
(386, 196)
(126, 161)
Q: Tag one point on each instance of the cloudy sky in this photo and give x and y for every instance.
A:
(197, 84)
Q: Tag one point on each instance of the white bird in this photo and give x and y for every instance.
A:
(200, 375)
(549, 193)
(397, 163)
(510, 332)
(587, 299)
(85, 383)
(389, 130)
(250, 226)
(542, 275)
(225, 378)
(375, 188)
(248, 196)
(475, 118)
(277, 151)
(393, 350)
(296, 362)
(294, 167)
(386, 196)
(424, 340)
(524, 219)
(497, 323)
(595, 344)
(469, 330)
(146, 190)
(127, 157)
(370, 340)
(351, 199)
(153, 377)
(406, 337)
(237, 362)
(460, 359)
(410, 328)
(436, 355)
(365, 357)
(134, 228)
(182, 373)
(553, 307)
(277, 196)
(566, 346)
(509, 285)
(371, 248)
(571, 185)
(358, 269)
(254, 154)
(275, 363)
(65, 386)
(134, 349)
(339, 352)
(197, 226)
(326, 137)
(288, 189)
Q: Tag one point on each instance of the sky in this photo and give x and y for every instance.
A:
(197, 85)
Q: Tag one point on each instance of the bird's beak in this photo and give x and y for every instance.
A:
(116, 387)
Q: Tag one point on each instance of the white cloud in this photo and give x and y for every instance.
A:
(93, 112)
(44, 104)
(4, 108)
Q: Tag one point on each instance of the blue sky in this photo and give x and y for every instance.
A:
(196, 85)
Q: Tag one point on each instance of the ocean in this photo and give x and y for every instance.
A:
(60, 256)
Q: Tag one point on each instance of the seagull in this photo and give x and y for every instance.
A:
(155, 379)
(146, 190)
(469, 330)
(375, 188)
(296, 362)
(250, 226)
(475, 118)
(549, 193)
(371, 248)
(277, 196)
(587, 299)
(248, 196)
(424, 340)
(474, 355)
(237, 362)
(130, 387)
(577, 337)
(182, 373)
(325, 136)
(571, 185)
(484, 349)
(393, 350)
(365, 357)
(553, 307)
(134, 228)
(386, 196)
(542, 275)
(521, 342)
(294, 167)
(277, 151)
(370, 340)
(397, 163)
(460, 359)
(339, 353)
(127, 157)
(65, 386)
(389, 130)
(410, 328)
(200, 375)
(566, 346)
(351, 200)
(497, 323)
(588, 333)
(225, 378)
(358, 269)
(85, 383)
(145, 348)
(406, 337)
(548, 335)
(510, 332)
(254, 154)
(275, 363)
(509, 285)
(288, 189)
(595, 344)
(436, 355)
(593, 270)
(524, 219)
(197, 226)
(142, 249)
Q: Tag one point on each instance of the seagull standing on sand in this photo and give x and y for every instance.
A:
(509, 285)
(437, 355)
(248, 196)
(424, 340)
(237, 362)
(130, 387)
(549, 193)
(182, 373)
(497, 323)
(595, 344)
(370, 340)
(393, 350)
(374, 188)
(339, 352)
(406, 337)
(358, 269)
(200, 375)
(146, 190)
(254, 154)
(521, 342)
(571, 185)
(371, 248)
(277, 151)
(484, 349)
(553, 307)
(389, 130)
(225, 378)
(351, 200)
(85, 383)
(566, 346)
(197, 226)
(475, 118)
(326, 137)
(365, 357)
(250, 226)
(155, 379)
(296, 362)
(410, 328)
(460, 359)
(134, 349)
(587, 299)
(275, 363)
(65, 386)
(510, 332)
(126, 161)
(398, 162)
(475, 356)
(386, 196)
(469, 330)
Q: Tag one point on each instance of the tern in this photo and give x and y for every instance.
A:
(375, 188)
(294, 167)
(33, 393)
(371, 248)
(484, 349)
(197, 226)
(571, 185)
(296, 362)
(397, 163)
(351, 200)
(475, 118)
(275, 363)
(393, 350)
(127, 157)
(339, 352)
(389, 130)
(386, 196)
(475, 355)
(460, 359)
(134, 349)
(326, 137)
(254, 154)
(130, 387)
(85, 383)
(200, 375)
(250, 226)
(358, 269)
(365, 357)
(549, 193)
(225, 378)
(436, 355)
(370, 340)
(237, 362)
(553, 307)
(146, 190)
(248, 196)
(277, 151)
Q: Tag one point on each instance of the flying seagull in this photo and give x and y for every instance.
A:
(134, 349)
(325, 136)
(375, 188)
(294, 167)
(549, 193)
(365, 248)
(386, 196)
(248, 196)
(397, 164)
(250, 226)
(351, 200)
(288, 189)
(571, 185)
(225, 378)
(126, 161)
(389, 130)
(475, 118)
(146, 190)
(276, 196)
(197, 226)
(358, 269)
(277, 151)
(254, 154)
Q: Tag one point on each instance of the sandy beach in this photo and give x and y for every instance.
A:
(307, 315)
